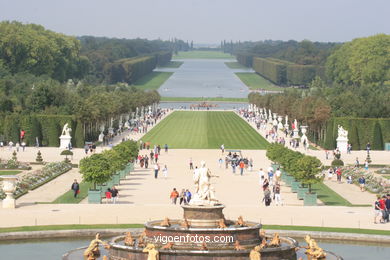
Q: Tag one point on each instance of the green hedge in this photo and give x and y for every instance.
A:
(245, 59)
(163, 57)
(130, 70)
(271, 69)
(46, 127)
(360, 132)
(303, 74)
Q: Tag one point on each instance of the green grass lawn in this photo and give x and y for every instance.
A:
(254, 81)
(172, 64)
(181, 99)
(153, 80)
(235, 65)
(202, 55)
(205, 130)
(67, 197)
(9, 172)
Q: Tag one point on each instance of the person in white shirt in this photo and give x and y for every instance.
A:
(278, 173)
(261, 176)
(165, 172)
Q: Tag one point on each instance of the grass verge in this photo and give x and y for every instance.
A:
(68, 227)
(153, 80)
(114, 226)
(9, 172)
(331, 198)
(67, 197)
(172, 64)
(185, 99)
(235, 65)
(256, 82)
(202, 55)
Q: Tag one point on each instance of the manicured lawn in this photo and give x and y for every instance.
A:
(205, 130)
(179, 99)
(172, 64)
(153, 80)
(67, 227)
(235, 65)
(330, 197)
(202, 55)
(9, 172)
(255, 82)
(67, 197)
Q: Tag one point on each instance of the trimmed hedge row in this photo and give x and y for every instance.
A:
(245, 59)
(46, 127)
(286, 73)
(272, 70)
(131, 69)
(360, 132)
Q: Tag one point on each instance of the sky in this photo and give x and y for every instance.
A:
(207, 21)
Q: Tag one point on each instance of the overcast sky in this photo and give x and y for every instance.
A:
(206, 21)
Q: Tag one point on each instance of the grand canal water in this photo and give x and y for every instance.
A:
(204, 78)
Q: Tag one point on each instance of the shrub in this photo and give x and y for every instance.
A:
(96, 169)
(377, 144)
(39, 158)
(337, 163)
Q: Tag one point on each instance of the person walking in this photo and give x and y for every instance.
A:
(220, 162)
(76, 188)
(165, 172)
(191, 164)
(242, 165)
(222, 148)
(114, 194)
(182, 196)
(174, 195)
(23, 146)
(156, 157)
(108, 195)
(277, 197)
(378, 212)
(267, 197)
(166, 148)
(156, 169)
(366, 165)
(362, 183)
(188, 196)
(278, 175)
(338, 173)
(146, 159)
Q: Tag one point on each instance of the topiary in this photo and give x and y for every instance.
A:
(337, 163)
(14, 157)
(377, 144)
(39, 158)
(79, 135)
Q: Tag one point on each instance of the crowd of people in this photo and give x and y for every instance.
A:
(270, 180)
(184, 196)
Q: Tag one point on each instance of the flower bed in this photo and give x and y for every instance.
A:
(36, 179)
(373, 184)
(13, 164)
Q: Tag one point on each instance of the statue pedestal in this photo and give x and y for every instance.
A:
(9, 203)
(342, 144)
(203, 216)
(65, 141)
(296, 133)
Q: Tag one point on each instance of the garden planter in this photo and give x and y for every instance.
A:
(310, 199)
(289, 180)
(122, 174)
(116, 179)
(275, 166)
(295, 185)
(94, 197)
(131, 167)
(301, 192)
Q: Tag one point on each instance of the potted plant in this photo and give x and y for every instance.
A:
(95, 169)
(308, 169)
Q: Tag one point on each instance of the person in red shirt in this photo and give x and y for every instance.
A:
(338, 172)
(174, 195)
(22, 134)
(242, 165)
(383, 209)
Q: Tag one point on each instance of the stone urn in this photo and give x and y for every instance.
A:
(9, 187)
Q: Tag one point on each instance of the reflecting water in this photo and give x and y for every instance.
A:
(55, 248)
(203, 78)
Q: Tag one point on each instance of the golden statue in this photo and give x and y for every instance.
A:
(105, 258)
(168, 246)
(238, 246)
(185, 224)
(275, 242)
(313, 249)
(165, 222)
(141, 240)
(255, 253)
(152, 252)
(262, 233)
(263, 243)
(129, 241)
(240, 222)
(204, 246)
(93, 252)
(221, 223)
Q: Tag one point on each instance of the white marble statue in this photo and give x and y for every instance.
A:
(66, 130)
(342, 133)
(204, 192)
